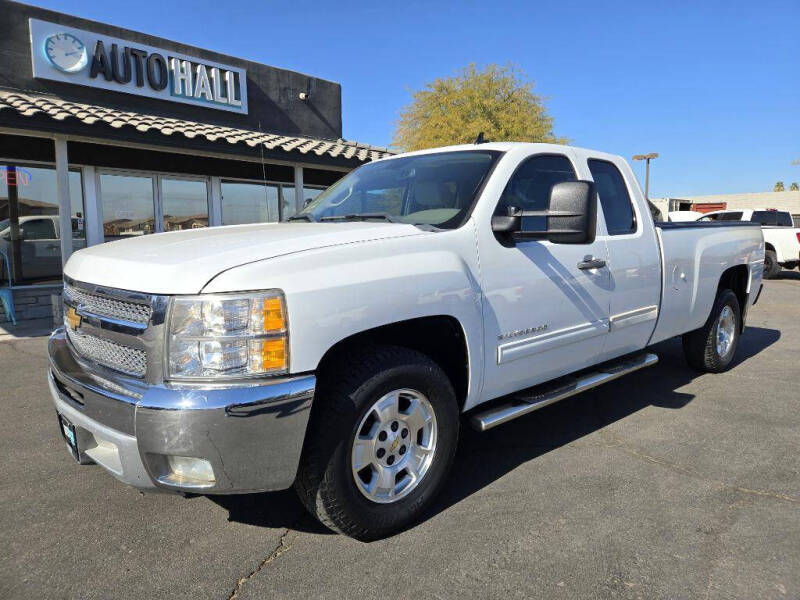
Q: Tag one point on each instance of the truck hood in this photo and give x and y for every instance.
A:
(183, 262)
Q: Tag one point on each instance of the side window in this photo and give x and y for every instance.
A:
(783, 219)
(613, 195)
(38, 229)
(731, 216)
(764, 217)
(529, 188)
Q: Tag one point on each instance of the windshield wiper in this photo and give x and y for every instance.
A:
(302, 217)
(361, 217)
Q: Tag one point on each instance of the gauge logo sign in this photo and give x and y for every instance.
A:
(66, 52)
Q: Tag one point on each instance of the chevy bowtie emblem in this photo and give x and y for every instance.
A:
(72, 318)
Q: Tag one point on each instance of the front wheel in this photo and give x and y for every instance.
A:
(380, 441)
(712, 347)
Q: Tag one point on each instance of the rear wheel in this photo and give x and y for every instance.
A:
(712, 347)
(380, 441)
(771, 265)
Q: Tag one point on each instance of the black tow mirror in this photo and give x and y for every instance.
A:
(571, 217)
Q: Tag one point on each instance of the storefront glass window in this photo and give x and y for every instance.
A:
(249, 203)
(128, 207)
(288, 199)
(29, 225)
(185, 204)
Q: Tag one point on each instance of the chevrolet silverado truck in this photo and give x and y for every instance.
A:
(781, 237)
(341, 351)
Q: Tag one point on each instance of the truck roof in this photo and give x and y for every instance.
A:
(747, 210)
(506, 146)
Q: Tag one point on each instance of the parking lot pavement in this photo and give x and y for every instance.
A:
(664, 484)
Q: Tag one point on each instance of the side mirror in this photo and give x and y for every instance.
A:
(307, 202)
(571, 217)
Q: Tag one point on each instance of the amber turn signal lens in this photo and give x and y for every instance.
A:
(273, 354)
(274, 319)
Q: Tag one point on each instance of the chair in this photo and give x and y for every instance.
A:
(6, 295)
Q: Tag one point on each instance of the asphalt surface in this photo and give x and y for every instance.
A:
(663, 484)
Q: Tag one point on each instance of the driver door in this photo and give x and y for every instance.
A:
(545, 315)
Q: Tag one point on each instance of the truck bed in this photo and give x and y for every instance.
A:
(694, 255)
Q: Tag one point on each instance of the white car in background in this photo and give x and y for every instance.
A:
(679, 216)
(39, 245)
(781, 237)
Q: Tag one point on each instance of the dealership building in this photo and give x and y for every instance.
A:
(107, 133)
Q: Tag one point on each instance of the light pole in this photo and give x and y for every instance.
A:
(647, 158)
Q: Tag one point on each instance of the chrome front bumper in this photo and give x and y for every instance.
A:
(251, 434)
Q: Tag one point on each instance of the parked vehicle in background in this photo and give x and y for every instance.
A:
(337, 352)
(40, 244)
(679, 216)
(781, 237)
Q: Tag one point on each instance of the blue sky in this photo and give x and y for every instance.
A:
(712, 86)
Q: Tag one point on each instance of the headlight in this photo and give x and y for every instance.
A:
(228, 335)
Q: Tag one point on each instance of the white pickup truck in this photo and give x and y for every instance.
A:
(337, 352)
(39, 240)
(781, 237)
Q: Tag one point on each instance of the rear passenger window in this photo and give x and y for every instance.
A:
(529, 188)
(765, 217)
(614, 198)
(731, 216)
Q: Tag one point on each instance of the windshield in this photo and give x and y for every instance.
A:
(430, 189)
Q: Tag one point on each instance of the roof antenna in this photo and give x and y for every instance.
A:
(480, 139)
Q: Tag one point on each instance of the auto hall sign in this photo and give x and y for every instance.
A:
(81, 57)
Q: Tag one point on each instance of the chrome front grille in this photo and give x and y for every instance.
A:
(125, 359)
(115, 328)
(103, 306)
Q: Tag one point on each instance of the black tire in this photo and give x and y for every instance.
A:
(347, 389)
(771, 266)
(700, 345)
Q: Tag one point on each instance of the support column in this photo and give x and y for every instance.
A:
(215, 208)
(64, 205)
(15, 258)
(298, 187)
(93, 217)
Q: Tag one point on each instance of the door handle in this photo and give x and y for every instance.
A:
(590, 262)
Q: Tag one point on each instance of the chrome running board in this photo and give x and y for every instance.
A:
(538, 397)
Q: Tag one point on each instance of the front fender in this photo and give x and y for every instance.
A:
(337, 292)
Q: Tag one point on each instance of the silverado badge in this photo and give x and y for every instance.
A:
(72, 318)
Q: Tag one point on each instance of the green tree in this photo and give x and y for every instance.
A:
(496, 100)
(778, 187)
(794, 187)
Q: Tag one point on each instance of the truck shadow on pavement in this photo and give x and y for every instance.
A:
(482, 458)
(795, 275)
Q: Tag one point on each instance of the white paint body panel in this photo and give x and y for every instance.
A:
(534, 284)
(693, 261)
(634, 268)
(182, 262)
(527, 313)
(335, 292)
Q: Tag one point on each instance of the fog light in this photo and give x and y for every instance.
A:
(188, 470)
